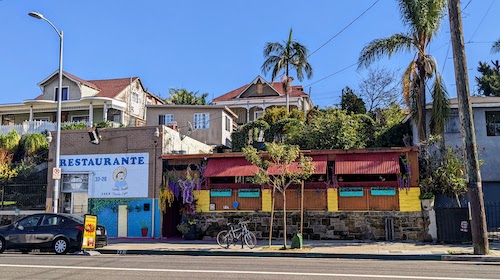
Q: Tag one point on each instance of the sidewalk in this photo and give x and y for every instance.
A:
(312, 249)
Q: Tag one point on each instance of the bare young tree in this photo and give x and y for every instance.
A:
(379, 88)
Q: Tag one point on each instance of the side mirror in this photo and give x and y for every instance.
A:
(19, 227)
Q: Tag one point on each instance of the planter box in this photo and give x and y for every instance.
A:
(249, 192)
(351, 192)
(221, 193)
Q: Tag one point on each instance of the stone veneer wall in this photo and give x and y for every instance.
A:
(322, 225)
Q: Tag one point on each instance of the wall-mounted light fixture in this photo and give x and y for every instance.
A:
(157, 132)
(48, 137)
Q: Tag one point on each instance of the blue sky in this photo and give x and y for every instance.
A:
(214, 46)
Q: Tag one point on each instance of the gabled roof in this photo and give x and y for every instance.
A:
(111, 88)
(297, 91)
(71, 77)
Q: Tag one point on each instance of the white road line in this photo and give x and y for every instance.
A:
(241, 272)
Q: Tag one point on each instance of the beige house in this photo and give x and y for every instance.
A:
(250, 101)
(121, 101)
(208, 124)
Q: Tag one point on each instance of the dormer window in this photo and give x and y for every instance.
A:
(135, 97)
(64, 93)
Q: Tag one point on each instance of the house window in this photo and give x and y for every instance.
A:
(453, 124)
(135, 97)
(493, 123)
(64, 93)
(42, 119)
(80, 118)
(228, 124)
(257, 114)
(201, 120)
(165, 119)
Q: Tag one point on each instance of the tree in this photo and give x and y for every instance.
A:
(283, 57)
(280, 158)
(496, 47)
(379, 89)
(351, 102)
(184, 97)
(423, 18)
(489, 81)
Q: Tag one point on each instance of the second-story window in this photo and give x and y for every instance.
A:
(228, 124)
(64, 93)
(201, 121)
(493, 123)
(165, 119)
(135, 97)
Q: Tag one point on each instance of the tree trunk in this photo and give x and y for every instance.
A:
(284, 219)
(421, 112)
(272, 216)
(302, 208)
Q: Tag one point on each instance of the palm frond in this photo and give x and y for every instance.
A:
(430, 65)
(440, 112)
(496, 47)
(422, 17)
(378, 48)
(408, 81)
(273, 47)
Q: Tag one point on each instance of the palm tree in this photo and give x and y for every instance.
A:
(283, 57)
(185, 97)
(496, 47)
(422, 17)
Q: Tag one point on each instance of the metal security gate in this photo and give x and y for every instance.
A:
(492, 210)
(453, 225)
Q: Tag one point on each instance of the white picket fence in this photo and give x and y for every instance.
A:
(29, 127)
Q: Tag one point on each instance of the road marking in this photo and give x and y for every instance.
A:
(241, 272)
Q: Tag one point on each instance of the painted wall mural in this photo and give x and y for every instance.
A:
(111, 175)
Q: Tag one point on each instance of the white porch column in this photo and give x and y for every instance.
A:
(91, 114)
(105, 112)
(248, 112)
(31, 113)
(122, 117)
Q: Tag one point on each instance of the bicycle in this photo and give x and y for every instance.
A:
(231, 236)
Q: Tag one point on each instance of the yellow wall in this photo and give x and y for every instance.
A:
(203, 203)
(333, 200)
(409, 201)
(266, 200)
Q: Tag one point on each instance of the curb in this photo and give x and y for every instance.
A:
(470, 258)
(414, 257)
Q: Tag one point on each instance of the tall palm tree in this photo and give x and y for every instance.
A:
(422, 17)
(496, 47)
(283, 57)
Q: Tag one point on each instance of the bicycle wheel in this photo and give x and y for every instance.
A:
(250, 240)
(223, 239)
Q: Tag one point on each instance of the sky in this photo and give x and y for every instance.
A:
(216, 46)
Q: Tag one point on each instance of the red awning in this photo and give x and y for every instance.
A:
(386, 163)
(319, 163)
(231, 167)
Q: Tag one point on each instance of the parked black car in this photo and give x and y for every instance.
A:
(60, 233)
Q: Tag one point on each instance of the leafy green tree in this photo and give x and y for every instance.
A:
(422, 17)
(280, 158)
(185, 97)
(351, 102)
(390, 131)
(282, 57)
(489, 81)
(6, 170)
(332, 129)
(10, 141)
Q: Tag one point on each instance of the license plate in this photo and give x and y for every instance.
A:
(98, 232)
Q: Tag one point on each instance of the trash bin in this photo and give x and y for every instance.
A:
(297, 241)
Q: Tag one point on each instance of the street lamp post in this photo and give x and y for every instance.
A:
(57, 181)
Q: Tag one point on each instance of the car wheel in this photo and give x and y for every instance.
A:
(60, 246)
(2, 245)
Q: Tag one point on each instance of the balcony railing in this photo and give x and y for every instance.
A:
(29, 127)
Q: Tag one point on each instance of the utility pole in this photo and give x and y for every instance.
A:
(473, 176)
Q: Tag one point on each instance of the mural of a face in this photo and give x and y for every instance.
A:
(119, 176)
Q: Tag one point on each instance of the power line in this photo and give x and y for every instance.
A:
(343, 29)
(342, 70)
(489, 8)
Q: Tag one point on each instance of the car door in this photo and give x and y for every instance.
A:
(47, 229)
(21, 234)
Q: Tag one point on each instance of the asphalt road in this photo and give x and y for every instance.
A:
(48, 266)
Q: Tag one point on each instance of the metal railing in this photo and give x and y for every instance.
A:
(29, 127)
(24, 196)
